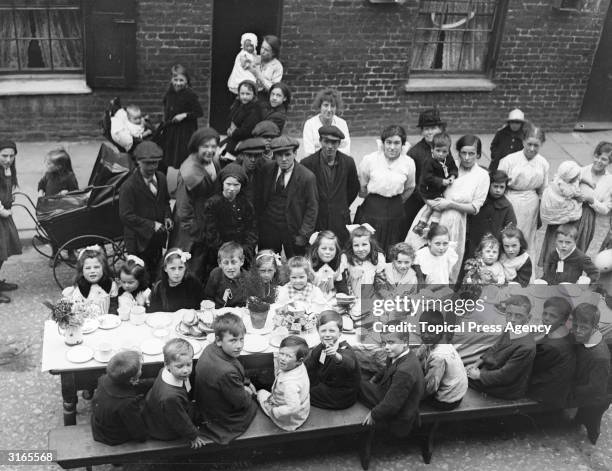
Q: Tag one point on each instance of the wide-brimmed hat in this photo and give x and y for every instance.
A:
(283, 142)
(430, 118)
(516, 115)
(148, 150)
(331, 132)
(253, 145)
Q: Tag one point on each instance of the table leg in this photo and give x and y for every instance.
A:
(69, 396)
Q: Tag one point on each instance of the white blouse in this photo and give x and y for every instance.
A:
(387, 177)
(310, 135)
(437, 269)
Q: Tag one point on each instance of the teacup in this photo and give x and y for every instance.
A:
(161, 334)
(104, 351)
(138, 315)
(124, 313)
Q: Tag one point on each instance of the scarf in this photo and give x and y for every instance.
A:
(511, 265)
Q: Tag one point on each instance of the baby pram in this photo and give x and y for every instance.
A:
(71, 222)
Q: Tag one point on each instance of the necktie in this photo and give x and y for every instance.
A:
(152, 187)
(280, 182)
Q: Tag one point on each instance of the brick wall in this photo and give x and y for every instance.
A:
(363, 50)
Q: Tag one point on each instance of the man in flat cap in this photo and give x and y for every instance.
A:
(251, 158)
(337, 182)
(144, 207)
(286, 200)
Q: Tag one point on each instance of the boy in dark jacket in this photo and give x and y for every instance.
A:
(508, 139)
(223, 394)
(496, 213)
(118, 400)
(168, 411)
(503, 370)
(592, 368)
(394, 393)
(227, 283)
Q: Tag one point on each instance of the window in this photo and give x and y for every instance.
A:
(41, 36)
(456, 36)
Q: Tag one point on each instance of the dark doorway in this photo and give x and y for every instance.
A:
(231, 18)
(597, 104)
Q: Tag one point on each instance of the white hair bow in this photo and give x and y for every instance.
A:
(313, 238)
(274, 255)
(365, 225)
(92, 248)
(184, 256)
(137, 260)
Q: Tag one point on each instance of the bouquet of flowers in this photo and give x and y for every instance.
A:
(476, 272)
(87, 310)
(294, 317)
(63, 312)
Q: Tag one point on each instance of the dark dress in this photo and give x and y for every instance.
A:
(187, 295)
(116, 415)
(553, 370)
(9, 237)
(333, 384)
(226, 407)
(419, 153)
(505, 142)
(245, 117)
(337, 189)
(53, 183)
(175, 136)
(494, 215)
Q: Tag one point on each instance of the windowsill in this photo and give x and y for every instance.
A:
(68, 84)
(448, 84)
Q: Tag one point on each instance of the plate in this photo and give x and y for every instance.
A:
(197, 346)
(265, 330)
(255, 343)
(159, 320)
(109, 321)
(189, 336)
(151, 347)
(79, 354)
(101, 359)
(90, 325)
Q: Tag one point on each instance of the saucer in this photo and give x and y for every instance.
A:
(90, 325)
(109, 321)
(79, 354)
(100, 359)
(151, 347)
(159, 320)
(197, 346)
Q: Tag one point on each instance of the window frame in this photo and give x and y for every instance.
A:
(457, 78)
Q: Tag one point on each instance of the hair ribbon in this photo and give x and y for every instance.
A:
(92, 248)
(137, 260)
(184, 256)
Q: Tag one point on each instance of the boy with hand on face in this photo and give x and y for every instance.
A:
(288, 404)
(394, 393)
(223, 394)
(226, 284)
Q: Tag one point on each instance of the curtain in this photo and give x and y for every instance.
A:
(13, 24)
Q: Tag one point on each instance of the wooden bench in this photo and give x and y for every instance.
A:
(76, 448)
(477, 405)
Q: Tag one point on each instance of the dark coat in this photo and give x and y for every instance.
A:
(573, 266)
(505, 142)
(394, 394)
(226, 407)
(334, 203)
(218, 284)
(139, 209)
(506, 367)
(420, 152)
(592, 372)
(432, 173)
(53, 183)
(116, 415)
(245, 117)
(553, 370)
(187, 295)
(277, 115)
(494, 215)
(333, 384)
(168, 412)
(302, 207)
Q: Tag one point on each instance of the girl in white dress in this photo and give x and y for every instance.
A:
(93, 283)
(438, 258)
(325, 260)
(300, 288)
(528, 177)
(134, 278)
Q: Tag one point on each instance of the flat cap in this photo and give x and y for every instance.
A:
(284, 142)
(266, 129)
(331, 132)
(148, 150)
(253, 145)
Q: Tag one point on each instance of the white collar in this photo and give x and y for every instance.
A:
(403, 354)
(170, 379)
(563, 258)
(594, 340)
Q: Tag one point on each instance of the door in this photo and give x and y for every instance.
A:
(597, 104)
(232, 18)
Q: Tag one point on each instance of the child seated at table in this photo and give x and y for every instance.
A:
(555, 360)
(446, 381)
(223, 394)
(134, 280)
(168, 412)
(394, 392)
(226, 285)
(300, 287)
(503, 370)
(267, 270)
(93, 284)
(592, 368)
(401, 270)
(288, 404)
(324, 257)
(177, 288)
(332, 366)
(117, 404)
(566, 263)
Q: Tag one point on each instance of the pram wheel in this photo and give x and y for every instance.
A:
(66, 258)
